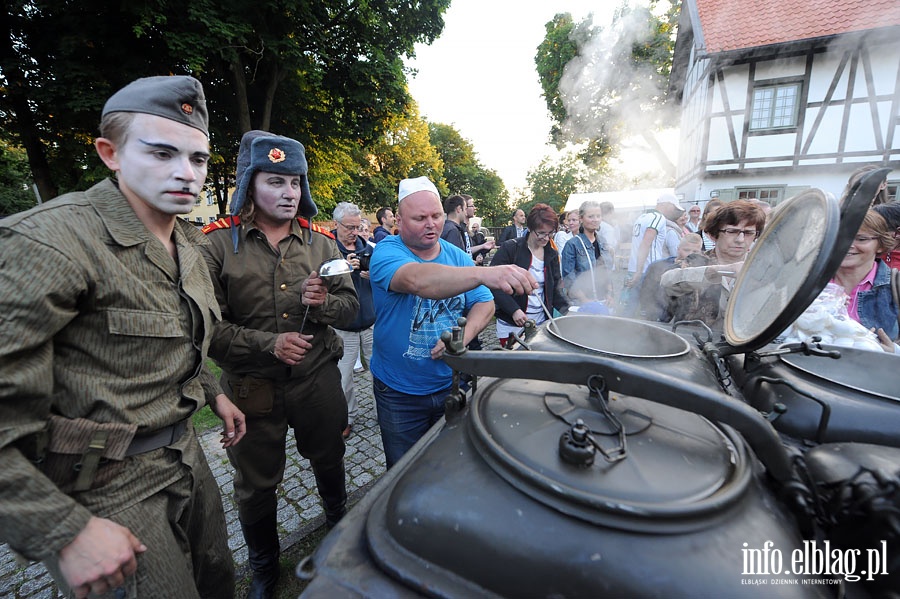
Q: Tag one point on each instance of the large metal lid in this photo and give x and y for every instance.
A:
(676, 470)
(620, 337)
(797, 254)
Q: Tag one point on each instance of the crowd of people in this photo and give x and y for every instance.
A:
(104, 357)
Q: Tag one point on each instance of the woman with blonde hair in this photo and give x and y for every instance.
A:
(867, 280)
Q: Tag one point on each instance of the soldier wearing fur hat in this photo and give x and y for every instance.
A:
(107, 312)
(275, 343)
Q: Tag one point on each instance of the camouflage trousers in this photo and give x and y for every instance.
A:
(183, 527)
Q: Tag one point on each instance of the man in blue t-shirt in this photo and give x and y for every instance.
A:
(420, 286)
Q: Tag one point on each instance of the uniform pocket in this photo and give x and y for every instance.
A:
(254, 397)
(141, 323)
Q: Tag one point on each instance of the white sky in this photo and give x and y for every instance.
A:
(480, 77)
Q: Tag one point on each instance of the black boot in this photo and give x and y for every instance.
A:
(333, 492)
(263, 550)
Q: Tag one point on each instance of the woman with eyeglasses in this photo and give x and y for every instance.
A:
(535, 252)
(891, 214)
(585, 276)
(867, 280)
(701, 293)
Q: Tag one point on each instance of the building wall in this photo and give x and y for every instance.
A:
(205, 209)
(847, 117)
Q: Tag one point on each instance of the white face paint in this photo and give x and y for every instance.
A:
(276, 197)
(162, 164)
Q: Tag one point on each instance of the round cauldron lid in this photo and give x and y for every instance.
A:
(678, 468)
(620, 337)
(855, 372)
(798, 252)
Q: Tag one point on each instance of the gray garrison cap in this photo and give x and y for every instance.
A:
(178, 97)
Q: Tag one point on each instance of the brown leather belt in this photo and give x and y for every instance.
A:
(155, 440)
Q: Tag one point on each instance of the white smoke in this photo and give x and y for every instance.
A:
(607, 94)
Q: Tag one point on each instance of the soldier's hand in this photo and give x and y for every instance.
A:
(508, 278)
(100, 558)
(314, 290)
(234, 423)
(291, 347)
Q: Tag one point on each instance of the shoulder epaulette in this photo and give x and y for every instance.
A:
(314, 227)
(222, 223)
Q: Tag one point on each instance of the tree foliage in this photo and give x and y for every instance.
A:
(552, 181)
(328, 73)
(403, 150)
(464, 173)
(613, 82)
(14, 193)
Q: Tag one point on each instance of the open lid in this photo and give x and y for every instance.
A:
(799, 251)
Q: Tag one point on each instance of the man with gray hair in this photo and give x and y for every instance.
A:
(357, 335)
(420, 285)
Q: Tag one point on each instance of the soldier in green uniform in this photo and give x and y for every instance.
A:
(105, 314)
(277, 351)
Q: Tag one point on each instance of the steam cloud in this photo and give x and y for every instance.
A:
(608, 95)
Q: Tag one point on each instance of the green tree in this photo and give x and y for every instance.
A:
(329, 73)
(552, 181)
(465, 174)
(15, 177)
(561, 44)
(56, 73)
(403, 151)
(615, 83)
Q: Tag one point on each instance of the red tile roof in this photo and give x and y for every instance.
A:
(738, 24)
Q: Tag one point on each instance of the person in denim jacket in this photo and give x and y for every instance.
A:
(585, 275)
(867, 280)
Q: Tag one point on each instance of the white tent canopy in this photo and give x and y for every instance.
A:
(624, 201)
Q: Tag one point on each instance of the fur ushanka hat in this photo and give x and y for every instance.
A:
(262, 151)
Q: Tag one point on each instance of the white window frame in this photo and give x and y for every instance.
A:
(771, 109)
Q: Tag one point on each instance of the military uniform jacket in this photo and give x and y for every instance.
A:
(97, 321)
(259, 294)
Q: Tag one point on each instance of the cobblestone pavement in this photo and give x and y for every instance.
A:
(299, 510)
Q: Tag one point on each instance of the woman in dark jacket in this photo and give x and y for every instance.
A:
(535, 252)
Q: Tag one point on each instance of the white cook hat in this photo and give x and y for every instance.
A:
(410, 186)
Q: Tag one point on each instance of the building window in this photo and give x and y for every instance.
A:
(775, 107)
(772, 195)
(892, 188)
(212, 219)
(210, 197)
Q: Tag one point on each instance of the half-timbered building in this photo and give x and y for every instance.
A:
(778, 96)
